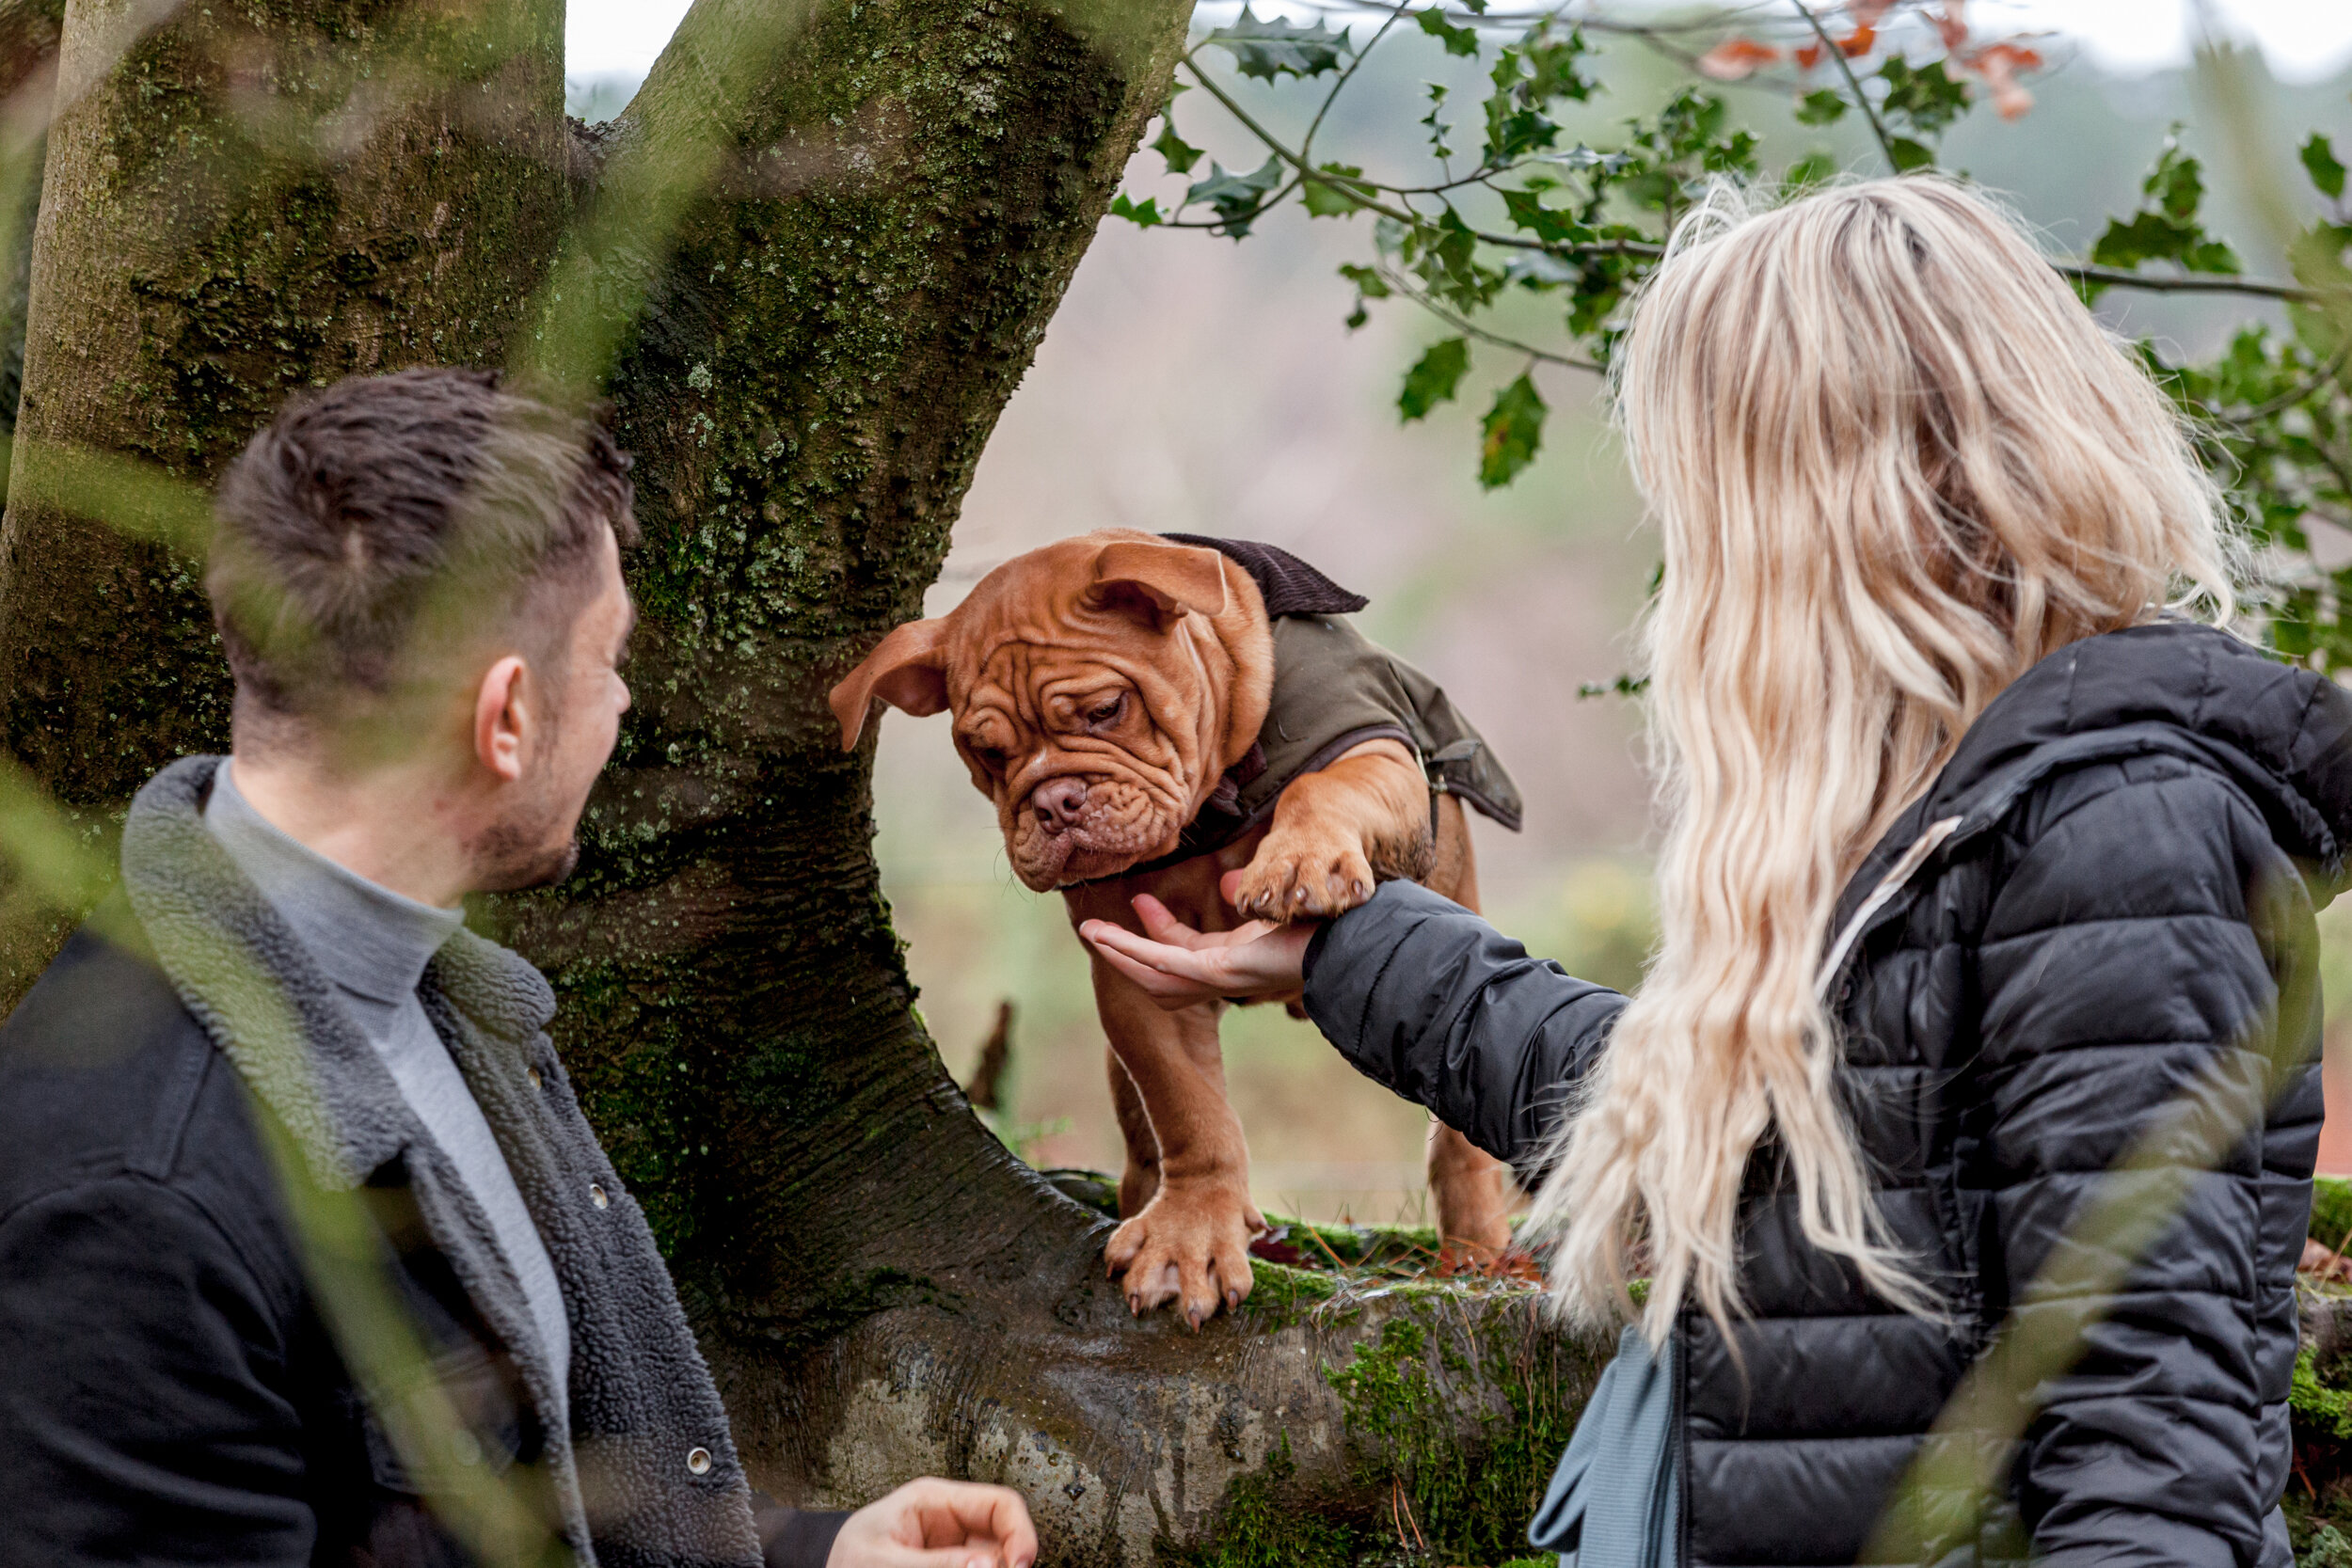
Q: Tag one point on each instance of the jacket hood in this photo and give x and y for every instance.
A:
(2283, 734)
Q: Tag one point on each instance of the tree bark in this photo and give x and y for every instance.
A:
(806, 356)
(241, 202)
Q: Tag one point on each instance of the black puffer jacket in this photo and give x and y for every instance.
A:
(2145, 822)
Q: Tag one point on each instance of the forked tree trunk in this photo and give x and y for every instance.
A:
(897, 193)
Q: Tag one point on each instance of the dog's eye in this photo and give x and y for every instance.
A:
(989, 757)
(1108, 712)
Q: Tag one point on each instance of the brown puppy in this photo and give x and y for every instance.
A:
(1116, 695)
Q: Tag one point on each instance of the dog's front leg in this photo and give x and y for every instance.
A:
(1190, 1243)
(1364, 815)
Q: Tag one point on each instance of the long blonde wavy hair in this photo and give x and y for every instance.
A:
(1895, 461)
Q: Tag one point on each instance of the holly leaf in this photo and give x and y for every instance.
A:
(1824, 107)
(1814, 169)
(2319, 160)
(1270, 47)
(1335, 199)
(1143, 215)
(1514, 429)
(1923, 100)
(1179, 154)
(1369, 285)
(1238, 199)
(2169, 229)
(1433, 378)
(1548, 224)
(1910, 154)
(1457, 40)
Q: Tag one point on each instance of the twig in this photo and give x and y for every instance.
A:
(2328, 371)
(2187, 283)
(1854, 83)
(1470, 329)
(1354, 188)
(1307, 143)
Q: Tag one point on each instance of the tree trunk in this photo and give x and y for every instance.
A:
(807, 358)
(233, 211)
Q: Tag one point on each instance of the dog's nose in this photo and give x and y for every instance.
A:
(1056, 803)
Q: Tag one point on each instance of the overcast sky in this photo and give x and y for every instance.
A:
(2303, 38)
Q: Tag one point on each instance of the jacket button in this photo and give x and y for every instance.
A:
(698, 1461)
(531, 1073)
(596, 1194)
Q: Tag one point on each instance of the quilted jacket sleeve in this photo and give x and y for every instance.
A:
(2130, 966)
(1423, 996)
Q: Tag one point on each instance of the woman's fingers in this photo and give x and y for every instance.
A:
(1265, 963)
(1172, 976)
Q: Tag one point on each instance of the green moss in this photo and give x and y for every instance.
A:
(1260, 1525)
(1281, 1295)
(1404, 1395)
(2319, 1407)
(2332, 1210)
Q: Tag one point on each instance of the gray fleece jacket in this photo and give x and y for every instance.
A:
(645, 1472)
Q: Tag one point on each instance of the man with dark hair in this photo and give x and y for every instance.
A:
(307, 1255)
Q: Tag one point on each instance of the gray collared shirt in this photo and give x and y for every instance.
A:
(372, 946)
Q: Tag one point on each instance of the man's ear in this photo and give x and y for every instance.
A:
(1157, 582)
(908, 671)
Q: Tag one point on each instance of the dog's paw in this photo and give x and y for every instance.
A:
(1190, 1245)
(1297, 875)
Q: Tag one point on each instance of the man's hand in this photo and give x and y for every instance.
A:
(938, 1524)
(1178, 966)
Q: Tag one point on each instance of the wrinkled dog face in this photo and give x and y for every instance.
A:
(1091, 688)
(1086, 779)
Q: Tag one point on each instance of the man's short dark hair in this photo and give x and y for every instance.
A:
(389, 518)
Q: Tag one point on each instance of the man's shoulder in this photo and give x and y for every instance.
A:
(104, 1074)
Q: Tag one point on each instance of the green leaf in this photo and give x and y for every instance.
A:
(2170, 229)
(1433, 378)
(1457, 40)
(2319, 158)
(1824, 107)
(1438, 129)
(1271, 47)
(1924, 100)
(1179, 154)
(1909, 154)
(1528, 75)
(1814, 168)
(1369, 285)
(1514, 429)
(1146, 214)
(1548, 224)
(1237, 198)
(1332, 200)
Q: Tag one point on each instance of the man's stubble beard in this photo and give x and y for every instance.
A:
(512, 861)
(534, 846)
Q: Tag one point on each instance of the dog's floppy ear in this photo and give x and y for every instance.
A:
(1158, 582)
(908, 671)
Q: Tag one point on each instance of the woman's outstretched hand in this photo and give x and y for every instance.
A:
(1178, 966)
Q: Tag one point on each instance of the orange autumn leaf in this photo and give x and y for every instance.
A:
(1859, 42)
(1809, 56)
(1949, 26)
(1999, 65)
(1734, 58)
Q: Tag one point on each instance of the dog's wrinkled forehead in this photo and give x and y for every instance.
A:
(1023, 690)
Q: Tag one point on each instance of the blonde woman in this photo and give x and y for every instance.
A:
(1982, 856)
